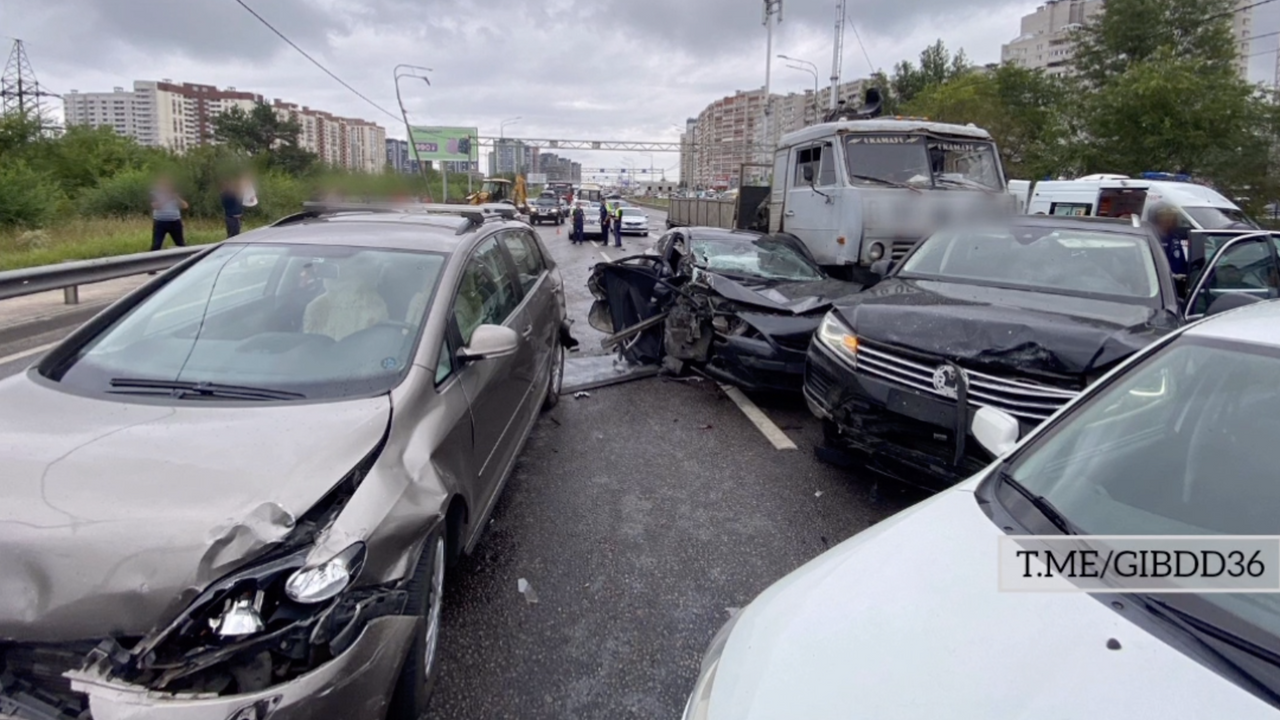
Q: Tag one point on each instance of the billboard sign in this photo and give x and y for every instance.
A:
(537, 178)
(447, 144)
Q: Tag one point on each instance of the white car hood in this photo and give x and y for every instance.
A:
(905, 621)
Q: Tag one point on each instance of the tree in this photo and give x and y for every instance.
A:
(1132, 32)
(1021, 108)
(1160, 90)
(263, 133)
(937, 66)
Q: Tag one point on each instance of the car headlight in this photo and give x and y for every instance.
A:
(322, 582)
(699, 705)
(836, 337)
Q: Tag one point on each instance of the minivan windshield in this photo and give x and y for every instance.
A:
(1182, 444)
(1067, 261)
(922, 161)
(302, 321)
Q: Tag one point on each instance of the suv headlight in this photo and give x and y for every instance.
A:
(838, 338)
(699, 705)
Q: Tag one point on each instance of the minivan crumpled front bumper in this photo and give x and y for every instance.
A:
(356, 685)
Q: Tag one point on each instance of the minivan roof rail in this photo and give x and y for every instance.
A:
(474, 214)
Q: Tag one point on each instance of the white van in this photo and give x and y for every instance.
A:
(1200, 207)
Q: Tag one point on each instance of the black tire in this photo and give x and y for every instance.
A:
(556, 382)
(418, 676)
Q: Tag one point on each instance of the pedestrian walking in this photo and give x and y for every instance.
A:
(579, 225)
(166, 213)
(232, 207)
(617, 226)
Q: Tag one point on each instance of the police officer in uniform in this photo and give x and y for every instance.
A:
(1172, 237)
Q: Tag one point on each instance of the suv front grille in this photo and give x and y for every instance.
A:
(1023, 399)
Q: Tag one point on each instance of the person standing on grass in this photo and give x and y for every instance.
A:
(232, 207)
(166, 213)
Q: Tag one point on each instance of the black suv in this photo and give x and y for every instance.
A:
(545, 210)
(1020, 317)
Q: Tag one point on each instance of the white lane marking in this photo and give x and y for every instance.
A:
(606, 257)
(771, 432)
(27, 353)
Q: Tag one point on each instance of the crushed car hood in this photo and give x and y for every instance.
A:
(905, 621)
(797, 298)
(1002, 329)
(113, 515)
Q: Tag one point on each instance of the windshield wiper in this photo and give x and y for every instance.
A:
(1041, 503)
(972, 184)
(181, 388)
(1203, 632)
(890, 183)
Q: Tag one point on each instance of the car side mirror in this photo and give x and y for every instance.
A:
(491, 341)
(996, 430)
(807, 173)
(881, 268)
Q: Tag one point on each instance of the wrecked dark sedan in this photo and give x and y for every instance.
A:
(736, 305)
(1018, 317)
(234, 494)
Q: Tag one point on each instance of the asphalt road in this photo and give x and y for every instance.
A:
(640, 516)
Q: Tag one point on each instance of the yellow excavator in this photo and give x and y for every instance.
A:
(498, 190)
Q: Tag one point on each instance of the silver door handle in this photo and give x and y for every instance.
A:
(789, 213)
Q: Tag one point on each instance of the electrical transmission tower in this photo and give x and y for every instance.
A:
(19, 89)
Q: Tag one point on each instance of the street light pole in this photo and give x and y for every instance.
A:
(412, 71)
(771, 8)
(812, 70)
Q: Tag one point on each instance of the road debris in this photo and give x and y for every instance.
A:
(527, 591)
(818, 494)
(581, 395)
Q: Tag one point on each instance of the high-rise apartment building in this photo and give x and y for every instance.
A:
(727, 138)
(1046, 42)
(180, 116)
(158, 114)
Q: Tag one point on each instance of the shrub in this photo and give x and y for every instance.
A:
(128, 194)
(27, 198)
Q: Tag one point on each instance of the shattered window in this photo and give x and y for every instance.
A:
(1066, 261)
(762, 258)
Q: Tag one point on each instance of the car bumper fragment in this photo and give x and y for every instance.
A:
(355, 684)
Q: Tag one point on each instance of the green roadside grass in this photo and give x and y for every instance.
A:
(89, 238)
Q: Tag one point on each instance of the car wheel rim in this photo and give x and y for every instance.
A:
(433, 611)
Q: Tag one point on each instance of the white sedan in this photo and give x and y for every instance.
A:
(634, 221)
(905, 620)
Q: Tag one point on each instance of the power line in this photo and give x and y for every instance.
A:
(865, 54)
(315, 62)
(1241, 9)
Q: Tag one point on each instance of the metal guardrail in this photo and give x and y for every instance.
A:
(69, 276)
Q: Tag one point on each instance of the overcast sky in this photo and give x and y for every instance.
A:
(575, 69)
